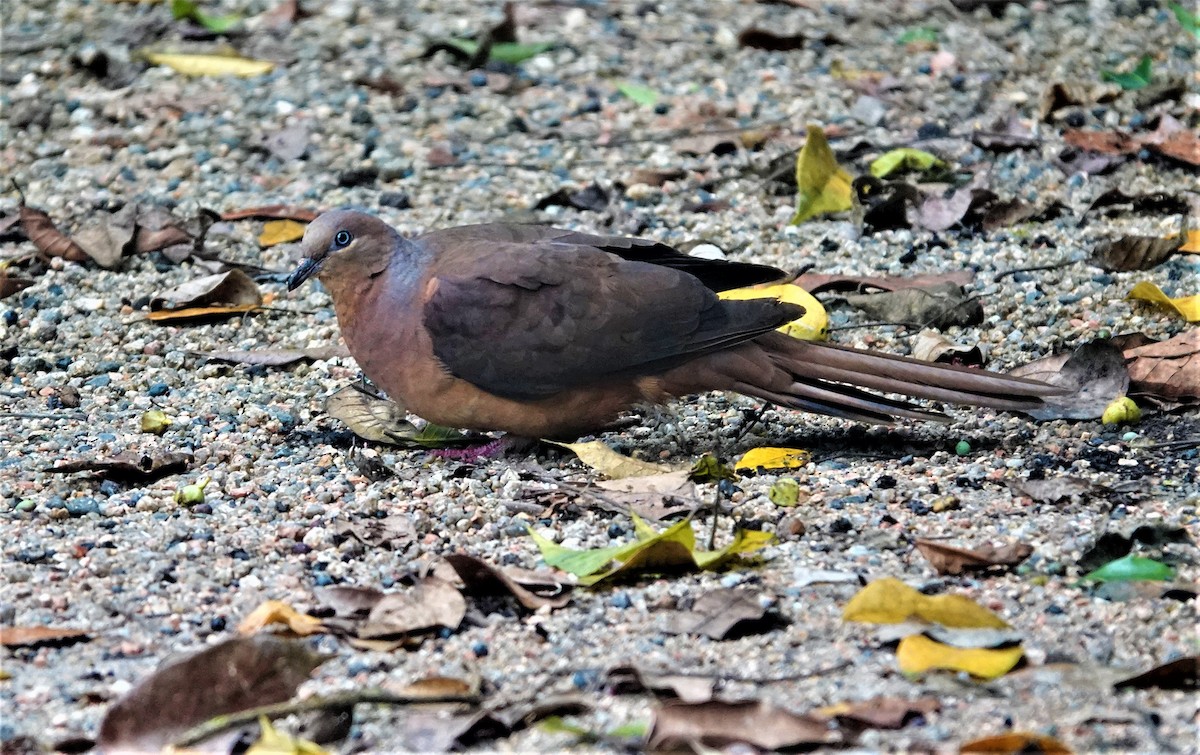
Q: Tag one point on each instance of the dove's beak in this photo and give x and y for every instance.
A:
(307, 269)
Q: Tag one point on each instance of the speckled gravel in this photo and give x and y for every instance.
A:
(151, 577)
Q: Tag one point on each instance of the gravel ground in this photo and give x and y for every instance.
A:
(152, 578)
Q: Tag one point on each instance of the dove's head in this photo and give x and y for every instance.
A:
(344, 244)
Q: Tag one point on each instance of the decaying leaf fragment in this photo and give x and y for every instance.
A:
(279, 357)
(881, 712)
(722, 613)
(236, 675)
(129, 465)
(616, 466)
(380, 420)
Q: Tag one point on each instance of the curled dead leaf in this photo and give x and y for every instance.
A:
(40, 229)
(533, 590)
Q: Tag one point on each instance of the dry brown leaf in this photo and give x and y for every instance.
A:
(1183, 673)
(659, 495)
(938, 306)
(278, 357)
(437, 687)
(818, 282)
(11, 284)
(26, 637)
(390, 533)
(40, 229)
(655, 176)
(720, 614)
(278, 613)
(1015, 743)
(108, 238)
(720, 724)
(234, 676)
(1093, 376)
(931, 346)
(765, 39)
(430, 604)
(622, 680)
(232, 288)
(281, 232)
(280, 211)
(1135, 252)
(348, 601)
(1168, 370)
(129, 465)
(533, 590)
(881, 712)
(947, 559)
(1055, 489)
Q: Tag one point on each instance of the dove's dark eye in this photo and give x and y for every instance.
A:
(342, 239)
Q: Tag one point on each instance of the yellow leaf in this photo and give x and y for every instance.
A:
(772, 458)
(271, 741)
(812, 326)
(1192, 246)
(603, 459)
(278, 612)
(918, 653)
(199, 313)
(210, 65)
(280, 232)
(822, 185)
(1187, 307)
(890, 601)
(1013, 743)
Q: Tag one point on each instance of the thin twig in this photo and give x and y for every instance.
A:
(77, 416)
(1052, 266)
(218, 724)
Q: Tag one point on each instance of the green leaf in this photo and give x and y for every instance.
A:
(1187, 19)
(673, 549)
(503, 52)
(579, 563)
(919, 34)
(1132, 567)
(709, 468)
(823, 186)
(1138, 78)
(639, 93)
(435, 436)
(186, 9)
(905, 158)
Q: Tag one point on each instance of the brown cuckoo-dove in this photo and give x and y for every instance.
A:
(544, 332)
